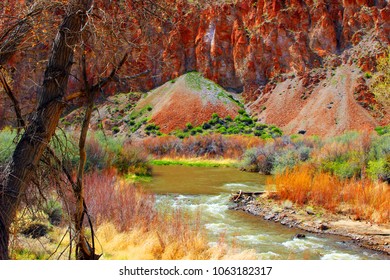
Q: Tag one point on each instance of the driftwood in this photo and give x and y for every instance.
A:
(240, 195)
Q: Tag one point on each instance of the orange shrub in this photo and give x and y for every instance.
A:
(305, 185)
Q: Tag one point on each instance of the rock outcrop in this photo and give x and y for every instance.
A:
(241, 46)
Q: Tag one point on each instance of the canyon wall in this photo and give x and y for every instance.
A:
(241, 46)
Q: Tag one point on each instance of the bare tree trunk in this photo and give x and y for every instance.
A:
(83, 249)
(35, 139)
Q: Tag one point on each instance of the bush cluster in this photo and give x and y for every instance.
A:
(241, 124)
(277, 156)
(351, 155)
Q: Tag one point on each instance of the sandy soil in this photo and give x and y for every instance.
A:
(365, 234)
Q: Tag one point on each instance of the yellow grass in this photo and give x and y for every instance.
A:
(139, 244)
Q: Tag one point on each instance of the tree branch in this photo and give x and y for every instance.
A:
(18, 112)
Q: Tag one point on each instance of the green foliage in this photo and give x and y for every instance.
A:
(347, 137)
(242, 124)
(241, 112)
(7, 144)
(381, 130)
(206, 126)
(151, 126)
(343, 169)
(189, 126)
(379, 158)
(132, 160)
(381, 80)
(152, 129)
(288, 158)
(379, 169)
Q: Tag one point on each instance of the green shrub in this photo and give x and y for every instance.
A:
(189, 126)
(241, 111)
(378, 166)
(215, 116)
(261, 126)
(285, 159)
(151, 127)
(379, 169)
(228, 119)
(132, 160)
(367, 75)
(206, 126)
(222, 130)
(382, 130)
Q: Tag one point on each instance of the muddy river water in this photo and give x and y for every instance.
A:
(207, 190)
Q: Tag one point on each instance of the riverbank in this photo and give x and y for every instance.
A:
(317, 220)
(196, 162)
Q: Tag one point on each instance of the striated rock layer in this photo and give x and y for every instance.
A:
(253, 46)
(241, 46)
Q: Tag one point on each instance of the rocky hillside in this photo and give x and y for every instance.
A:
(290, 59)
(324, 102)
(188, 101)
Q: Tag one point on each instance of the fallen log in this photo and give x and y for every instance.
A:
(245, 195)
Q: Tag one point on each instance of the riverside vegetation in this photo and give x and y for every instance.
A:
(348, 173)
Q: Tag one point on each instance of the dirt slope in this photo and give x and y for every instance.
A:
(187, 99)
(324, 102)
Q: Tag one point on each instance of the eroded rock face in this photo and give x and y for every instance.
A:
(242, 46)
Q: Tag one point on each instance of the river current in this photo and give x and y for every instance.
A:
(206, 190)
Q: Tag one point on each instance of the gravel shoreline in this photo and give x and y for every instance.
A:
(365, 234)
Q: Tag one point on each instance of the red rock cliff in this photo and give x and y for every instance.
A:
(241, 46)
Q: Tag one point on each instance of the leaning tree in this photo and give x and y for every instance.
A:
(94, 41)
(40, 130)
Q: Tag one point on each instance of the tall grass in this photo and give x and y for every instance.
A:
(364, 199)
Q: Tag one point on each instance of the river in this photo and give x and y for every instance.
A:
(207, 189)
